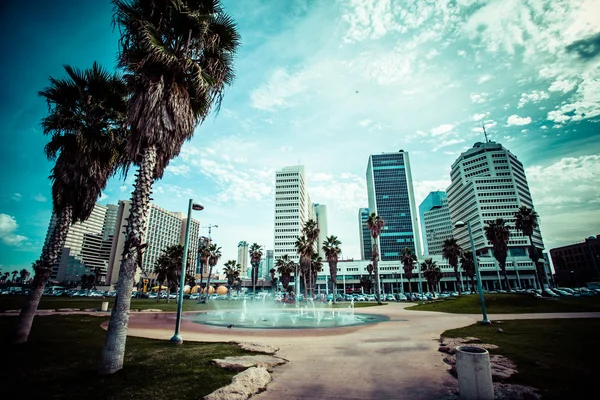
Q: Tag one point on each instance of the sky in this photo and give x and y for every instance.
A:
(324, 84)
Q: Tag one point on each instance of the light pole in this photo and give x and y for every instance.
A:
(192, 206)
(460, 224)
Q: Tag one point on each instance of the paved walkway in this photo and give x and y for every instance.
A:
(396, 359)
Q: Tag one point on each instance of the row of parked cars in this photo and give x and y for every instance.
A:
(566, 292)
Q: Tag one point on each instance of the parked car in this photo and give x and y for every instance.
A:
(401, 297)
(390, 297)
(153, 295)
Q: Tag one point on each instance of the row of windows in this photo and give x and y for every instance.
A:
(286, 230)
(293, 210)
(502, 167)
(503, 200)
(504, 207)
(287, 192)
(286, 198)
(494, 187)
(503, 161)
(493, 181)
(496, 194)
(287, 180)
(286, 186)
(473, 161)
(478, 173)
(498, 155)
(286, 224)
(475, 166)
(503, 173)
(287, 217)
(286, 237)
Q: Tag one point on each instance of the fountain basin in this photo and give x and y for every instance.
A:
(286, 319)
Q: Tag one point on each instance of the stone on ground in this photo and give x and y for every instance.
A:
(242, 362)
(67, 309)
(257, 347)
(151, 310)
(243, 385)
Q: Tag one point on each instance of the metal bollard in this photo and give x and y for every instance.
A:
(104, 306)
(474, 373)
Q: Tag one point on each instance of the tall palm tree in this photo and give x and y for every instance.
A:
(408, 260)
(204, 254)
(213, 259)
(304, 249)
(23, 274)
(468, 266)
(14, 275)
(432, 273)
(331, 247)
(451, 251)
(316, 266)
(370, 271)
(311, 231)
(178, 55)
(375, 223)
(255, 257)
(526, 221)
(87, 136)
(168, 268)
(285, 268)
(497, 234)
(232, 272)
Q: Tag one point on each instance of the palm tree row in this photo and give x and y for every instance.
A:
(232, 271)
(375, 223)
(177, 57)
(285, 268)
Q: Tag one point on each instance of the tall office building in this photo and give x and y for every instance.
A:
(488, 182)
(437, 226)
(85, 248)
(433, 199)
(164, 228)
(366, 249)
(242, 258)
(390, 192)
(320, 213)
(269, 262)
(292, 209)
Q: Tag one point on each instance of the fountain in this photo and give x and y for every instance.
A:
(269, 315)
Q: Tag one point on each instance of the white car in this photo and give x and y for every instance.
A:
(152, 295)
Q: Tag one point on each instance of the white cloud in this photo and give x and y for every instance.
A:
(562, 85)
(178, 169)
(422, 188)
(8, 226)
(447, 143)
(123, 188)
(516, 120)
(484, 78)
(365, 122)
(534, 96)
(477, 117)
(367, 19)
(279, 90)
(479, 97)
(440, 130)
(16, 197)
(40, 198)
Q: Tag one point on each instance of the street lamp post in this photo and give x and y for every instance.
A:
(460, 224)
(192, 206)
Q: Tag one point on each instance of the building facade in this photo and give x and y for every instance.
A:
(164, 228)
(366, 248)
(391, 196)
(577, 264)
(433, 199)
(242, 257)
(269, 262)
(488, 182)
(292, 209)
(320, 214)
(437, 227)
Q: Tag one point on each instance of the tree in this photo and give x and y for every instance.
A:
(316, 266)
(91, 281)
(432, 273)
(408, 260)
(272, 272)
(526, 221)
(451, 251)
(14, 276)
(232, 272)
(370, 271)
(375, 223)
(255, 257)
(179, 58)
(204, 254)
(285, 268)
(468, 266)
(84, 281)
(310, 231)
(365, 283)
(304, 249)
(4, 277)
(331, 247)
(497, 234)
(168, 268)
(87, 136)
(23, 274)
(213, 259)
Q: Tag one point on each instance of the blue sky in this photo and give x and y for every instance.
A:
(428, 74)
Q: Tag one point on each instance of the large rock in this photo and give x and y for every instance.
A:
(243, 362)
(257, 347)
(243, 385)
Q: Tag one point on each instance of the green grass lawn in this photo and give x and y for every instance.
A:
(510, 303)
(62, 355)
(53, 303)
(557, 356)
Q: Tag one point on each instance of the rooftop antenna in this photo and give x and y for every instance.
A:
(484, 132)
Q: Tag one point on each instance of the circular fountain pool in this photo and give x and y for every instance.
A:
(298, 318)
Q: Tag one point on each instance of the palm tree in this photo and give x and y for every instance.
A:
(23, 274)
(14, 276)
(467, 264)
(375, 223)
(204, 254)
(365, 283)
(255, 257)
(316, 266)
(5, 276)
(370, 271)
(87, 130)
(179, 59)
(432, 273)
(497, 234)
(84, 281)
(232, 272)
(331, 247)
(451, 252)
(213, 259)
(285, 268)
(526, 221)
(311, 231)
(408, 260)
(168, 268)
(304, 249)
(272, 271)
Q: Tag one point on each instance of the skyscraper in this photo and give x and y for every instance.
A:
(292, 209)
(242, 258)
(390, 192)
(433, 199)
(489, 182)
(320, 212)
(269, 262)
(366, 249)
(437, 226)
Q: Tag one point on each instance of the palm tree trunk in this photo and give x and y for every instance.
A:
(457, 278)
(305, 287)
(42, 273)
(208, 284)
(376, 272)
(113, 352)
(503, 269)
